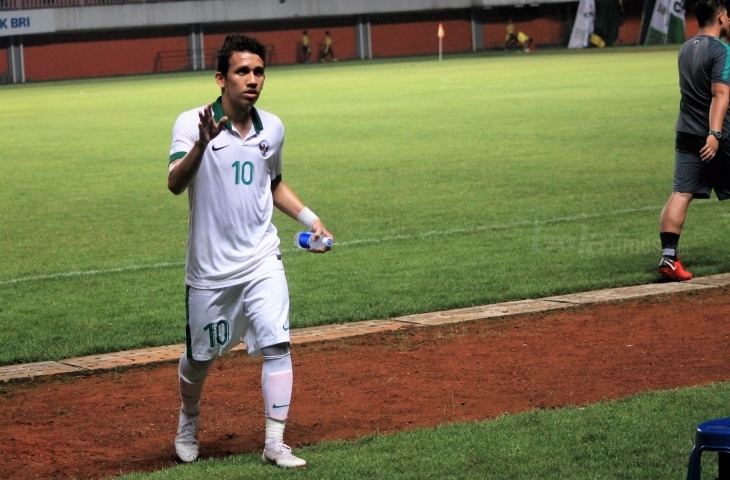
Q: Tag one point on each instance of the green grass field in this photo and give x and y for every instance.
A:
(447, 184)
(645, 437)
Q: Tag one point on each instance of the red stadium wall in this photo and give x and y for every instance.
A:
(65, 56)
(3, 61)
(550, 28)
(628, 32)
(546, 24)
(47, 58)
(690, 25)
(419, 38)
(543, 31)
(630, 29)
(287, 43)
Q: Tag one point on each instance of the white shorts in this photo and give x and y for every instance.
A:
(255, 313)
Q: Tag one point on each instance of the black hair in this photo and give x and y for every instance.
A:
(706, 10)
(237, 43)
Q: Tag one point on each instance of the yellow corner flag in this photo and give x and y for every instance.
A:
(441, 31)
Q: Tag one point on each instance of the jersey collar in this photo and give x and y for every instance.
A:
(218, 114)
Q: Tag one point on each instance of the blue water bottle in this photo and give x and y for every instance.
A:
(303, 240)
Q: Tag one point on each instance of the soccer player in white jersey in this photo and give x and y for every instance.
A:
(228, 157)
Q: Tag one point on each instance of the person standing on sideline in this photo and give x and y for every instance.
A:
(510, 40)
(306, 52)
(702, 149)
(328, 52)
(228, 156)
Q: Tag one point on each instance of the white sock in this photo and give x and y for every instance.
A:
(274, 430)
(191, 383)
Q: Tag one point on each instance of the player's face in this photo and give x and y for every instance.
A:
(245, 78)
(725, 21)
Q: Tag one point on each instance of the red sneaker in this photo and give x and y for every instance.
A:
(673, 270)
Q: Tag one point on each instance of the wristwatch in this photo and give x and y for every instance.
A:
(716, 133)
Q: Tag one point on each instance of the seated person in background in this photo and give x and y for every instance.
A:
(524, 41)
(510, 41)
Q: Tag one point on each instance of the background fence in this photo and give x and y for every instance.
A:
(31, 4)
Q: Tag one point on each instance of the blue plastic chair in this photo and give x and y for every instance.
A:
(713, 436)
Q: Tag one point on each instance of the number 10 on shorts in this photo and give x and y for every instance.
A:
(218, 333)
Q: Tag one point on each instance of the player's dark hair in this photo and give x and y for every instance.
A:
(706, 10)
(237, 43)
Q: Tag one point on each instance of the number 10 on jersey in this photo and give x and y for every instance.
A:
(244, 172)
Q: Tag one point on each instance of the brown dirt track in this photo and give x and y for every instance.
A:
(104, 424)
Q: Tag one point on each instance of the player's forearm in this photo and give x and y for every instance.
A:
(287, 201)
(718, 106)
(183, 172)
(717, 113)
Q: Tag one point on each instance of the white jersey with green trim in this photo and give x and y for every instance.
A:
(231, 204)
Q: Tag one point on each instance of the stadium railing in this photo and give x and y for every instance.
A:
(172, 61)
(179, 60)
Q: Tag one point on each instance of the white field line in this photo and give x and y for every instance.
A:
(82, 273)
(454, 231)
(506, 226)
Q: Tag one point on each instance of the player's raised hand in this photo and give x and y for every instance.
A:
(207, 127)
(708, 152)
(318, 230)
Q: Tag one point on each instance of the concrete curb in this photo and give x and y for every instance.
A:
(171, 353)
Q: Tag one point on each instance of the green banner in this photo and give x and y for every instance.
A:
(608, 21)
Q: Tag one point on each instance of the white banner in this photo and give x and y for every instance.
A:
(583, 26)
(660, 19)
(659, 23)
(24, 22)
(667, 23)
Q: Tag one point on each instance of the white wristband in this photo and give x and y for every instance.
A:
(307, 217)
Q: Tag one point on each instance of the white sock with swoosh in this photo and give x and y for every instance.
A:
(276, 386)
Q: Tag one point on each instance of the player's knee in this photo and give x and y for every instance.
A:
(193, 371)
(278, 350)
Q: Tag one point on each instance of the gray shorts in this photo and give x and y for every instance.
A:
(692, 175)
